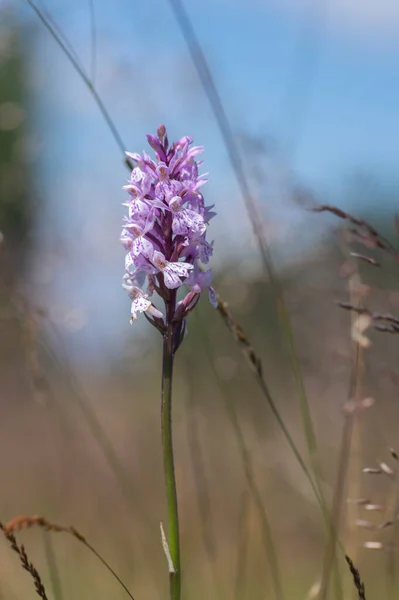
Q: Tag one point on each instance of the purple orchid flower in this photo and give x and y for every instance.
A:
(164, 233)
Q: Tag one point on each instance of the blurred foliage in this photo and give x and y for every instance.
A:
(15, 180)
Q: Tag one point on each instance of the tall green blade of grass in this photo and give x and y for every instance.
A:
(51, 560)
(255, 219)
(80, 70)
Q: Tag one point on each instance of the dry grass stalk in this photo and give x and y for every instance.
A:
(359, 585)
(381, 322)
(240, 337)
(25, 522)
(360, 501)
(256, 365)
(365, 233)
(374, 507)
(26, 564)
(370, 237)
(365, 524)
(367, 259)
(390, 510)
(350, 443)
(29, 317)
(391, 523)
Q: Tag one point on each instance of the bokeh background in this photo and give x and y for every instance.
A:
(311, 92)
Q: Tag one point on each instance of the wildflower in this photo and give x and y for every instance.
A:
(140, 302)
(172, 271)
(201, 280)
(164, 233)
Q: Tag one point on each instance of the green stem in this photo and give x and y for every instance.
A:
(52, 567)
(168, 462)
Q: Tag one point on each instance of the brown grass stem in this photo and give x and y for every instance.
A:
(25, 522)
(25, 562)
(350, 411)
(391, 516)
(359, 585)
(336, 514)
(255, 365)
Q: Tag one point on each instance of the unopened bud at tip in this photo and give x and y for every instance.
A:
(161, 132)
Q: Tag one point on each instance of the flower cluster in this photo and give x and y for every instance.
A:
(164, 233)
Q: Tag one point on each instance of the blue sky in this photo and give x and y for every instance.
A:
(348, 77)
(320, 77)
